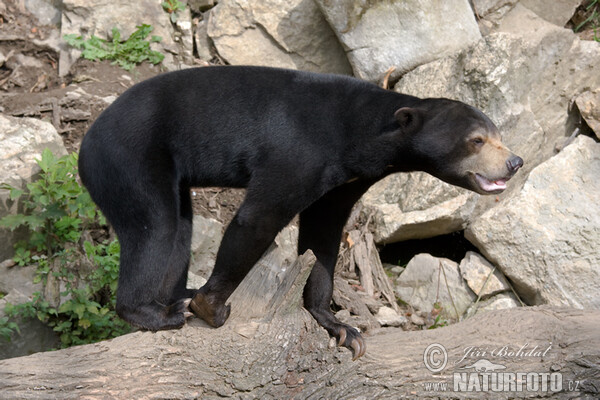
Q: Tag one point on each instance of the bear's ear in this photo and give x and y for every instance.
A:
(409, 119)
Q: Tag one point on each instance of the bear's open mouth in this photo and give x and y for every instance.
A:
(489, 186)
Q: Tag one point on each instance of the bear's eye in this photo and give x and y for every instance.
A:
(477, 141)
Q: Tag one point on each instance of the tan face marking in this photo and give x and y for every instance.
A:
(487, 162)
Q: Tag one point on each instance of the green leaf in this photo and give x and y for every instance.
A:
(16, 193)
(47, 160)
(79, 309)
(65, 307)
(84, 323)
(73, 40)
(12, 221)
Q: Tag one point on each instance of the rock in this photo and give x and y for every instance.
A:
(199, 6)
(423, 283)
(588, 104)
(416, 206)
(203, 42)
(484, 8)
(417, 319)
(475, 270)
(396, 270)
(279, 33)
(387, 316)
(500, 301)
(356, 321)
(45, 11)
(343, 316)
(22, 141)
(405, 34)
(545, 239)
(97, 17)
(206, 238)
(558, 12)
(34, 336)
(17, 277)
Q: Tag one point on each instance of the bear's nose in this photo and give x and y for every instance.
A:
(514, 163)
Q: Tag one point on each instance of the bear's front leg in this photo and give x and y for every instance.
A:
(247, 237)
(321, 227)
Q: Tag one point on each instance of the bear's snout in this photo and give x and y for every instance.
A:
(513, 164)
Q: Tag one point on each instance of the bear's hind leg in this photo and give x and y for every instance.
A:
(175, 280)
(147, 223)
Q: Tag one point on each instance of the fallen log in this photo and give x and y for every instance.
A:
(271, 348)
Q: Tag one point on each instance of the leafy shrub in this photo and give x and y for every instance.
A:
(57, 210)
(125, 53)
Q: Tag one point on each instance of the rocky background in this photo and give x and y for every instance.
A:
(449, 253)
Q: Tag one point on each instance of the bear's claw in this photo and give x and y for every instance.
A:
(351, 338)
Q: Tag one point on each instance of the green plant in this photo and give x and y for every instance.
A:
(7, 327)
(125, 53)
(55, 206)
(57, 210)
(594, 16)
(438, 322)
(173, 7)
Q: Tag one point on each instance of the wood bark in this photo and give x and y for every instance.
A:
(271, 348)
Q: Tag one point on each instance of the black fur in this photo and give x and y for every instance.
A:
(297, 141)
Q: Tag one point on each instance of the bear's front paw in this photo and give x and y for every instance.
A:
(209, 309)
(351, 338)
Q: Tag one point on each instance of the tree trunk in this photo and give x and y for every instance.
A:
(285, 354)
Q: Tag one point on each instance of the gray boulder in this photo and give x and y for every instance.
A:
(588, 104)
(416, 206)
(557, 12)
(206, 238)
(500, 301)
(402, 34)
(17, 283)
(482, 278)
(545, 239)
(279, 33)
(34, 336)
(16, 277)
(387, 316)
(423, 283)
(22, 141)
(47, 12)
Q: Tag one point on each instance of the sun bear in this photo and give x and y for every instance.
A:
(301, 143)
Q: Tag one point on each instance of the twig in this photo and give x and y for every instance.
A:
(386, 79)
(448, 288)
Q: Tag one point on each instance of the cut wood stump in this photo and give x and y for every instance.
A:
(271, 348)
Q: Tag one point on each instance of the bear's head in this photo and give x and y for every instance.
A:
(458, 144)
